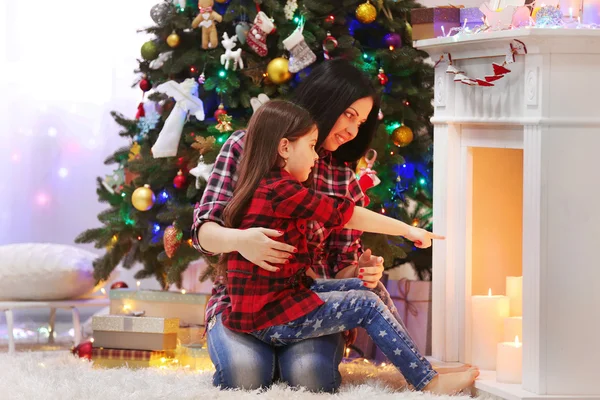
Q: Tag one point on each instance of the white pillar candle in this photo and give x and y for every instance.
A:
(487, 314)
(513, 326)
(514, 290)
(509, 367)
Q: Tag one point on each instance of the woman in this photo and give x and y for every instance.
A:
(344, 105)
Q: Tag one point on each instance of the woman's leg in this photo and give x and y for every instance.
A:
(313, 363)
(241, 361)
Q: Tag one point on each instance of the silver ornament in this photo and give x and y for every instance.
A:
(158, 12)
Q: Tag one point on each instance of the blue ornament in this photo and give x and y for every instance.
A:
(147, 123)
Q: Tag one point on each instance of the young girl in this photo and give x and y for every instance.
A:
(289, 306)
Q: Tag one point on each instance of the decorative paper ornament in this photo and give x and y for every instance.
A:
(241, 31)
(149, 51)
(366, 13)
(145, 84)
(290, 8)
(220, 111)
(402, 136)
(172, 240)
(201, 171)
(500, 69)
(257, 37)
(187, 102)
(207, 19)
(158, 12)
(278, 71)
(179, 181)
(173, 39)
(143, 198)
(83, 350)
(114, 182)
(392, 39)
(228, 44)
(119, 285)
(383, 79)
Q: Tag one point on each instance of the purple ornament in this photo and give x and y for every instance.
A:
(392, 39)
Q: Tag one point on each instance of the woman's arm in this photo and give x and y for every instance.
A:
(369, 221)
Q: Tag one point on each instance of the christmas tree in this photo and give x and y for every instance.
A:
(207, 67)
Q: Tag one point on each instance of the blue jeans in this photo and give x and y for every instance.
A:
(348, 304)
(244, 362)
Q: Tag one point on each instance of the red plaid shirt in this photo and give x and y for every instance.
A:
(330, 177)
(260, 298)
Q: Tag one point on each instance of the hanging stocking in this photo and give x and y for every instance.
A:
(301, 56)
(257, 37)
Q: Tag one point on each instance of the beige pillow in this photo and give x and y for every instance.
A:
(42, 271)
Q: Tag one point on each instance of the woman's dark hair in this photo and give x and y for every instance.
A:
(327, 92)
(273, 121)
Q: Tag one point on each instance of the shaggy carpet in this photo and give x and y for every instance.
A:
(59, 375)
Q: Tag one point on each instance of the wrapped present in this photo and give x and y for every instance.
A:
(473, 17)
(188, 307)
(195, 356)
(135, 333)
(117, 358)
(427, 23)
(188, 335)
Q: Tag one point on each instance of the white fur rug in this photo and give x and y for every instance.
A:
(59, 375)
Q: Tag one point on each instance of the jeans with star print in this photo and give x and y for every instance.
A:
(349, 304)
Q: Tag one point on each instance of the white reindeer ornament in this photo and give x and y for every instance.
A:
(229, 43)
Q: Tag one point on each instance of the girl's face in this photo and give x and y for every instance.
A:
(347, 124)
(300, 155)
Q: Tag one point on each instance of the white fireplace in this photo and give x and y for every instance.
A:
(517, 192)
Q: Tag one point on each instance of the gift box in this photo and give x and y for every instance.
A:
(191, 335)
(427, 23)
(473, 16)
(413, 302)
(115, 358)
(188, 307)
(135, 333)
(195, 356)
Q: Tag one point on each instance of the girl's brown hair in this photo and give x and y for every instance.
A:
(273, 121)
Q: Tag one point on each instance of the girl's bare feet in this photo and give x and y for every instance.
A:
(452, 383)
(449, 370)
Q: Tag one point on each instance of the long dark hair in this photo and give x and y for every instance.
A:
(327, 92)
(273, 121)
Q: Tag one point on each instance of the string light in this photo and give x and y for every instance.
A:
(222, 73)
(139, 238)
(183, 291)
(52, 132)
(63, 172)
(138, 284)
(156, 228)
(103, 291)
(330, 19)
(392, 48)
(422, 181)
(190, 242)
(193, 69)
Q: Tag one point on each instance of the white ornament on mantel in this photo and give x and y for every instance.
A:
(545, 108)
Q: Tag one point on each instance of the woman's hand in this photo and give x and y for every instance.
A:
(370, 269)
(256, 246)
(421, 237)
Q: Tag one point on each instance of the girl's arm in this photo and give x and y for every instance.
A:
(369, 221)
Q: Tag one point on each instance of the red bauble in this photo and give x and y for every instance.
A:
(179, 181)
(220, 111)
(145, 85)
(83, 350)
(119, 285)
(383, 79)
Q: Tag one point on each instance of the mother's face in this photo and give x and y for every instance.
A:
(347, 124)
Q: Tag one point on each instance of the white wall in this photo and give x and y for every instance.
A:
(64, 65)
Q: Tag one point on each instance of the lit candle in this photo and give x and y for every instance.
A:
(514, 291)
(182, 291)
(571, 12)
(487, 313)
(513, 326)
(509, 368)
(443, 31)
(103, 291)
(138, 284)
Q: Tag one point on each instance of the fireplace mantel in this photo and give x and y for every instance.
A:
(548, 108)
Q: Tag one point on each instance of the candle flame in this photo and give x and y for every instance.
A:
(182, 291)
(490, 292)
(347, 352)
(138, 283)
(517, 343)
(103, 291)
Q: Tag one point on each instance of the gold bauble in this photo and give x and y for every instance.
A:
(143, 198)
(278, 70)
(402, 136)
(366, 13)
(173, 40)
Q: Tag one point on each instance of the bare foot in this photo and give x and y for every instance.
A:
(449, 370)
(452, 383)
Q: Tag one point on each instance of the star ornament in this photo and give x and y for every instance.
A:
(201, 171)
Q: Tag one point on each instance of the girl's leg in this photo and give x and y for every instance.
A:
(313, 363)
(241, 361)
